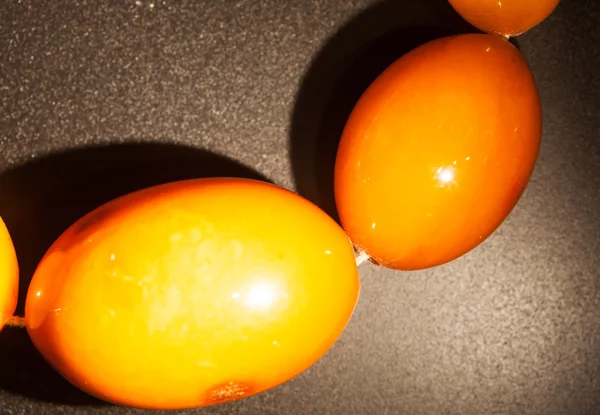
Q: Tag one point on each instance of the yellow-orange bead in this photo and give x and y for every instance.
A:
(438, 151)
(504, 17)
(193, 293)
(9, 276)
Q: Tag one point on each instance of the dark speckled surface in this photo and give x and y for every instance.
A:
(261, 88)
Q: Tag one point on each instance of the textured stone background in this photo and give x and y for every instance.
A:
(511, 328)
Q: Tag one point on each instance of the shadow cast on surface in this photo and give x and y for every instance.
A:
(344, 68)
(47, 196)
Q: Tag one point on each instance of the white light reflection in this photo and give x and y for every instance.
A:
(445, 175)
(261, 296)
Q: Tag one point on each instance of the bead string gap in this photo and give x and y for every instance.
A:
(361, 258)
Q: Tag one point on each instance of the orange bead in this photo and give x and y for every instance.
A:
(438, 151)
(192, 293)
(504, 17)
(9, 276)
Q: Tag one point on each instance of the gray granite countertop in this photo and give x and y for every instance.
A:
(261, 88)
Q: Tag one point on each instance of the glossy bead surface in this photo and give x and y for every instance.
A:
(9, 276)
(504, 17)
(437, 151)
(193, 293)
